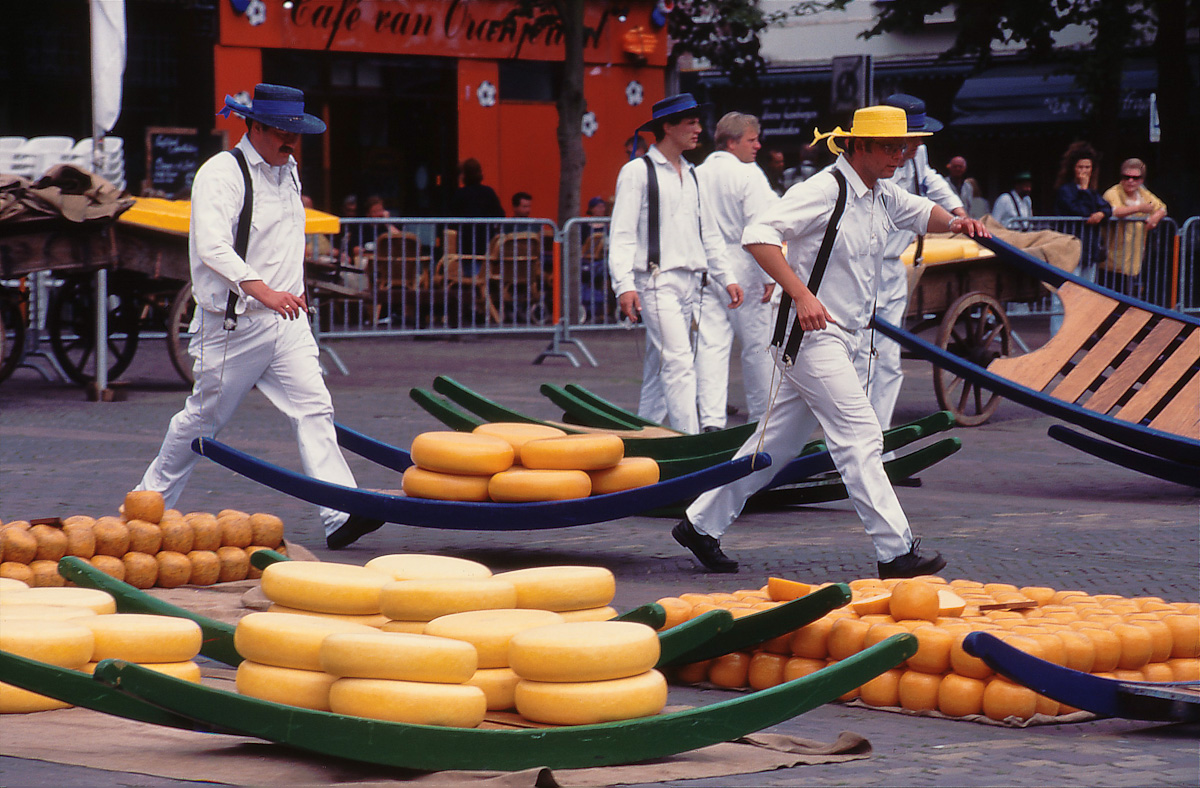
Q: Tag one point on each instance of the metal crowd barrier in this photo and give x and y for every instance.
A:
(1189, 266)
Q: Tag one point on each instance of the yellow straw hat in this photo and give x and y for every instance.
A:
(877, 121)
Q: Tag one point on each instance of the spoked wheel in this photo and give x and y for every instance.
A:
(179, 320)
(72, 325)
(975, 328)
(12, 336)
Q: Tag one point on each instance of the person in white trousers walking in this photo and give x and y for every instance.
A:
(819, 383)
(738, 191)
(251, 325)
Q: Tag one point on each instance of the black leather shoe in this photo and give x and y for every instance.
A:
(908, 481)
(912, 564)
(706, 549)
(349, 532)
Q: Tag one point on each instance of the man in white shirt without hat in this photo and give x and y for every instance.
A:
(271, 345)
(822, 387)
(738, 191)
(666, 295)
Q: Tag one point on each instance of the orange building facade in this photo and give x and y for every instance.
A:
(409, 88)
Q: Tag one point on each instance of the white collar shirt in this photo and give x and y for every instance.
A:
(1011, 205)
(737, 192)
(275, 252)
(871, 215)
(917, 177)
(688, 235)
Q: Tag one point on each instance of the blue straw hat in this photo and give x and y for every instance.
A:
(673, 108)
(276, 106)
(914, 108)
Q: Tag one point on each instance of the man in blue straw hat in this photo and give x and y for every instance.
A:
(246, 250)
(662, 240)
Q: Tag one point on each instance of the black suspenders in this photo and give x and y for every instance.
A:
(241, 241)
(814, 281)
(653, 235)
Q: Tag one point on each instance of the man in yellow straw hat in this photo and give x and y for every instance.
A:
(835, 225)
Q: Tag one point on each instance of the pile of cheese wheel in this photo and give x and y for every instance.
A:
(146, 546)
(437, 640)
(75, 628)
(516, 463)
(1139, 639)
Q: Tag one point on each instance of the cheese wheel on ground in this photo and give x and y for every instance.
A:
(584, 651)
(591, 702)
(606, 613)
(186, 671)
(51, 542)
(628, 474)
(425, 600)
(288, 641)
(13, 570)
(399, 657)
(91, 598)
(308, 689)
(266, 530)
(67, 644)
(490, 630)
(324, 587)
(499, 686)
(139, 637)
(518, 434)
(375, 621)
(413, 702)
(461, 452)
(44, 612)
(416, 566)
(145, 505)
(562, 587)
(421, 483)
(522, 485)
(574, 452)
(45, 574)
(14, 700)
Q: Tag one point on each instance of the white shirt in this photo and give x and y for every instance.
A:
(275, 253)
(737, 192)
(1011, 205)
(851, 279)
(907, 176)
(682, 218)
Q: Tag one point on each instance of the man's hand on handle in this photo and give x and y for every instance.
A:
(286, 304)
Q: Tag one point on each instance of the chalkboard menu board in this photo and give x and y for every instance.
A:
(174, 154)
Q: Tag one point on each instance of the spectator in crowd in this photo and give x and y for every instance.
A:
(772, 163)
(1141, 211)
(808, 167)
(966, 188)
(316, 245)
(1015, 203)
(1077, 196)
(350, 206)
(475, 199)
(596, 207)
(635, 146)
(522, 205)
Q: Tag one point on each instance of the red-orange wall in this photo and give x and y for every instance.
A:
(234, 69)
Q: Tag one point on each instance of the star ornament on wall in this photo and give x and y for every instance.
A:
(486, 94)
(634, 93)
(256, 12)
(590, 125)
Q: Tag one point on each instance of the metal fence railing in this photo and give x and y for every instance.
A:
(1189, 266)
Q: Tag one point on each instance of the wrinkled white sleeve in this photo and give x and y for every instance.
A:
(623, 229)
(217, 195)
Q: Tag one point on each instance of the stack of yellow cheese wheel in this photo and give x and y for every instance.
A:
(587, 672)
(161, 643)
(418, 679)
(578, 593)
(342, 592)
(455, 466)
(427, 586)
(65, 644)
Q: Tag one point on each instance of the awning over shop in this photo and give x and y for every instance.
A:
(1031, 94)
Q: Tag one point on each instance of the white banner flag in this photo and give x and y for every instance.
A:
(108, 63)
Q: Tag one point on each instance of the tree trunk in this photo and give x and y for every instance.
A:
(571, 106)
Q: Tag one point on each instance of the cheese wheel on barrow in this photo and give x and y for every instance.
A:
(562, 587)
(413, 702)
(66, 644)
(592, 702)
(308, 689)
(399, 657)
(490, 631)
(288, 641)
(574, 452)
(420, 483)
(628, 474)
(99, 601)
(425, 600)
(186, 671)
(140, 637)
(606, 613)
(523, 485)
(518, 434)
(376, 621)
(324, 587)
(461, 452)
(584, 651)
(499, 687)
(415, 566)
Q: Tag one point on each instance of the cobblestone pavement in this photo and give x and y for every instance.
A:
(1012, 506)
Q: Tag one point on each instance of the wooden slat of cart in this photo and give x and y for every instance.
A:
(1163, 380)
(1101, 355)
(1182, 414)
(1134, 366)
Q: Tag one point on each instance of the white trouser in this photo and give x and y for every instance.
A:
(669, 369)
(820, 388)
(280, 357)
(751, 324)
(878, 358)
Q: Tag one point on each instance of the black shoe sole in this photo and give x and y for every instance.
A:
(721, 567)
(938, 565)
(351, 531)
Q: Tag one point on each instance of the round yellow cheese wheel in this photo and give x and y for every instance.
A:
(490, 630)
(629, 473)
(518, 434)
(425, 600)
(67, 644)
(520, 485)
(574, 452)
(413, 702)
(376, 620)
(461, 452)
(11, 583)
(99, 601)
(398, 656)
(14, 700)
(421, 483)
(287, 641)
(308, 689)
(407, 627)
(499, 686)
(562, 587)
(44, 612)
(592, 702)
(606, 613)
(324, 587)
(187, 671)
(139, 637)
(584, 651)
(416, 566)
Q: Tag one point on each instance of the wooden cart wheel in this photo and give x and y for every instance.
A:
(71, 323)
(12, 336)
(179, 320)
(976, 328)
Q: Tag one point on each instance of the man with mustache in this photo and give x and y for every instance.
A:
(246, 250)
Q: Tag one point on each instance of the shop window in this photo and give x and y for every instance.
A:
(528, 81)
